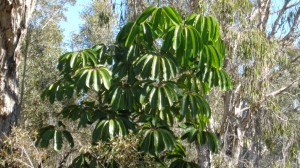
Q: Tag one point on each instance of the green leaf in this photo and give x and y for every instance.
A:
(145, 14)
(96, 81)
(73, 58)
(177, 37)
(212, 141)
(157, 18)
(87, 80)
(132, 35)
(45, 134)
(69, 138)
(172, 14)
(167, 43)
(155, 68)
(145, 143)
(115, 101)
(215, 28)
(112, 127)
(216, 58)
(161, 99)
(148, 37)
(106, 78)
(124, 32)
(153, 97)
(171, 97)
(184, 105)
(58, 140)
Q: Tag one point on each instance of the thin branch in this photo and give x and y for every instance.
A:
(244, 109)
(279, 91)
(266, 14)
(282, 11)
(294, 26)
(61, 163)
(51, 18)
(295, 59)
(293, 5)
(27, 156)
(22, 162)
(288, 7)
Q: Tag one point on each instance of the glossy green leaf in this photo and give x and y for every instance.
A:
(212, 141)
(172, 14)
(45, 134)
(177, 37)
(132, 35)
(157, 18)
(145, 14)
(68, 137)
(106, 77)
(58, 140)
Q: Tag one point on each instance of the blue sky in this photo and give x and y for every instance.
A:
(73, 22)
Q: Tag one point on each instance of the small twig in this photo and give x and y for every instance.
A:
(20, 161)
(27, 156)
(279, 91)
(60, 165)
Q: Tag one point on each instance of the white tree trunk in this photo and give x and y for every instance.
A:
(14, 17)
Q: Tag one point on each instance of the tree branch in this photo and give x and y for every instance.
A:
(294, 26)
(275, 25)
(266, 15)
(264, 12)
(279, 91)
(295, 59)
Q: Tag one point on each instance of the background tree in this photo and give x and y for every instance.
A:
(41, 50)
(100, 25)
(14, 21)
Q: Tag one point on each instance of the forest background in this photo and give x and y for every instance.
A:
(256, 122)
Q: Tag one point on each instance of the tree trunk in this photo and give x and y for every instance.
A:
(237, 118)
(203, 155)
(14, 17)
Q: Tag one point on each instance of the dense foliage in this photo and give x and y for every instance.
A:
(152, 79)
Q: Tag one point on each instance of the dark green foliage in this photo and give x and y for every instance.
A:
(45, 134)
(178, 155)
(159, 70)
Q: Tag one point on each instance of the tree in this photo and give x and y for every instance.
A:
(42, 48)
(258, 36)
(15, 16)
(254, 64)
(98, 17)
(152, 79)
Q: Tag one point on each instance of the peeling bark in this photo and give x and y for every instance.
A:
(14, 17)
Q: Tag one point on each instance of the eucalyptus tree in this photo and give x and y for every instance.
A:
(258, 36)
(38, 54)
(42, 47)
(100, 25)
(15, 16)
(153, 78)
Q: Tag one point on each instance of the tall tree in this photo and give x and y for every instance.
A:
(15, 16)
(99, 25)
(258, 35)
(43, 46)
